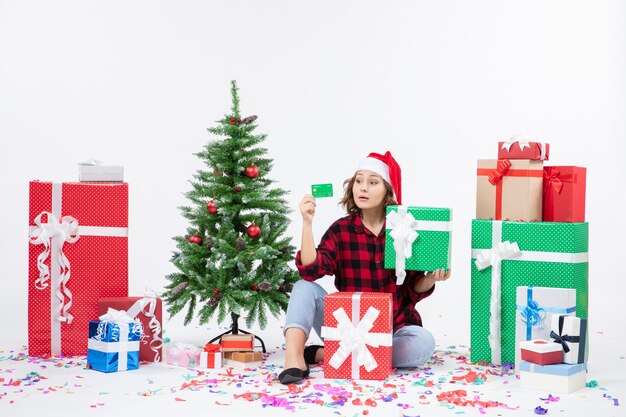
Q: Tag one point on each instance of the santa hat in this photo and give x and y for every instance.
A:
(387, 168)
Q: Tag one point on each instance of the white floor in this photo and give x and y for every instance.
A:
(30, 386)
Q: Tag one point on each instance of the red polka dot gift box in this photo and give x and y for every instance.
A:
(78, 254)
(357, 333)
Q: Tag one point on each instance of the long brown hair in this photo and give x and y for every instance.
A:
(348, 203)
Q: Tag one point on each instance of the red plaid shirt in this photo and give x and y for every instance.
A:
(355, 256)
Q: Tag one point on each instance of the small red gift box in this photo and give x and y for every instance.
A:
(357, 333)
(149, 311)
(521, 149)
(78, 252)
(564, 190)
(237, 342)
(541, 352)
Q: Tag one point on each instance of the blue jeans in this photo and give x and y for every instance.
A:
(412, 345)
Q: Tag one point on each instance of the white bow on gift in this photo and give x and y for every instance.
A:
(353, 340)
(403, 228)
(64, 230)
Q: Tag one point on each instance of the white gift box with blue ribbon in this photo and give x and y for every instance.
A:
(114, 342)
(535, 308)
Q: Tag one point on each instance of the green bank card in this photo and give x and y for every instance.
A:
(322, 190)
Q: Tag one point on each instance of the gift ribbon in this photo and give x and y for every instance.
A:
(354, 337)
(564, 339)
(493, 257)
(211, 347)
(533, 315)
(138, 307)
(52, 235)
(120, 322)
(403, 229)
(211, 356)
(496, 175)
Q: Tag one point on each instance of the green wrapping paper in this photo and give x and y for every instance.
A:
(431, 248)
(548, 255)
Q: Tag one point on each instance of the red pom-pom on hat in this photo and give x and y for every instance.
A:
(387, 167)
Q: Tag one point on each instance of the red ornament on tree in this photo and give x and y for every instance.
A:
(236, 188)
(253, 230)
(252, 171)
(195, 240)
(216, 291)
(211, 207)
(255, 287)
(234, 122)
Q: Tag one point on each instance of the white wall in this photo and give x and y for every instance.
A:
(437, 83)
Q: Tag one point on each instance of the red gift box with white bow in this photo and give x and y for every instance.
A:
(78, 253)
(357, 333)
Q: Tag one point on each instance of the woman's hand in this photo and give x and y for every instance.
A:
(307, 208)
(438, 275)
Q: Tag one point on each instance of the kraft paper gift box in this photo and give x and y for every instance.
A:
(357, 334)
(506, 255)
(535, 308)
(541, 352)
(417, 239)
(509, 190)
(79, 250)
(571, 333)
(243, 359)
(149, 310)
(114, 343)
(237, 342)
(564, 189)
(520, 149)
(562, 378)
(211, 356)
(183, 354)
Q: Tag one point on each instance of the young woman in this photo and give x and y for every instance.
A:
(352, 249)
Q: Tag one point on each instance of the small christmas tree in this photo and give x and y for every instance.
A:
(234, 258)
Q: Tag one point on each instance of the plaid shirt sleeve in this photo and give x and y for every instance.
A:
(326, 261)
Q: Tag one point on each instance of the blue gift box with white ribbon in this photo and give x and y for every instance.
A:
(113, 343)
(535, 308)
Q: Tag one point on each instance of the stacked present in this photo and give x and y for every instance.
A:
(77, 231)
(529, 231)
(239, 350)
(558, 364)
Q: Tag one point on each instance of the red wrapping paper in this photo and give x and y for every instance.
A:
(98, 262)
(564, 189)
(151, 343)
(537, 151)
(237, 342)
(382, 324)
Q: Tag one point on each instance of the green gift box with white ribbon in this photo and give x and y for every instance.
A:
(506, 255)
(417, 239)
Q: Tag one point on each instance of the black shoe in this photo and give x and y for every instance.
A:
(309, 354)
(293, 375)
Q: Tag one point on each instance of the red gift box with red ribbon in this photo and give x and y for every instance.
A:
(521, 149)
(357, 333)
(149, 310)
(78, 253)
(509, 190)
(564, 189)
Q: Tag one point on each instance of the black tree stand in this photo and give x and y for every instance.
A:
(234, 329)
